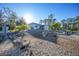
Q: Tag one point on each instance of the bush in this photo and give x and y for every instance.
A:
(0, 28)
(55, 26)
(22, 27)
(12, 27)
(74, 29)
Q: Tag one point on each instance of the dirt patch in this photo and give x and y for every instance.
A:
(65, 46)
(70, 45)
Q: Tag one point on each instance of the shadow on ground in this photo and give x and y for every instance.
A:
(38, 34)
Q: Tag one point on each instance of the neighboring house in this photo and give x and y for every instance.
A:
(38, 26)
(34, 25)
(70, 25)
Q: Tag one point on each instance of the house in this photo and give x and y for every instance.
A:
(34, 25)
(70, 25)
(44, 27)
(39, 26)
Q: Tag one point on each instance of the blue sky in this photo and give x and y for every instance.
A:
(42, 10)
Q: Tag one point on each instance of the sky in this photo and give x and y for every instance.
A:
(34, 12)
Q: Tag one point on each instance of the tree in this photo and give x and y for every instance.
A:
(54, 20)
(77, 19)
(50, 20)
(1, 18)
(20, 21)
(45, 21)
(10, 17)
(65, 25)
(70, 24)
(55, 26)
(41, 22)
(50, 16)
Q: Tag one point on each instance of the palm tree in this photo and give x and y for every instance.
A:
(64, 24)
(45, 21)
(21, 21)
(41, 22)
(50, 16)
(50, 20)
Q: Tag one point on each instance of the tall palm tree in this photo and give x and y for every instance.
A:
(45, 21)
(64, 23)
(41, 22)
(50, 16)
(50, 20)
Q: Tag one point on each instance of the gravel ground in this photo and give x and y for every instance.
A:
(66, 45)
(70, 44)
(41, 47)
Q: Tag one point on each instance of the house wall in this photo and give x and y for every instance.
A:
(39, 26)
(35, 26)
(46, 27)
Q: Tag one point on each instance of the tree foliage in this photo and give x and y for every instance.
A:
(10, 18)
(22, 27)
(55, 26)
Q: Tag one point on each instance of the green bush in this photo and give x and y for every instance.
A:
(22, 27)
(12, 27)
(0, 28)
(55, 26)
(74, 29)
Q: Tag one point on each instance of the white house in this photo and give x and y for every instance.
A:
(34, 25)
(46, 27)
(39, 26)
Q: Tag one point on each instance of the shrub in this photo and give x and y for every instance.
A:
(55, 26)
(12, 27)
(74, 29)
(0, 28)
(22, 27)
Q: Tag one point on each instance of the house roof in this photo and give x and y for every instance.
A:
(34, 24)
